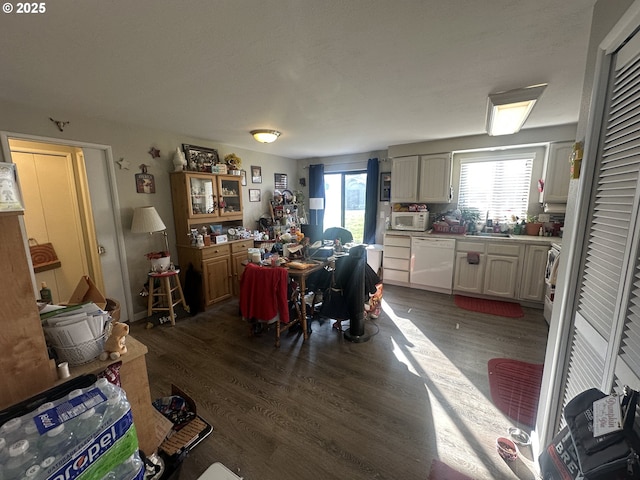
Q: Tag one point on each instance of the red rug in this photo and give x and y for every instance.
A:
(442, 471)
(493, 307)
(515, 388)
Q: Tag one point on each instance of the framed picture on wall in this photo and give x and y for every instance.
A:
(256, 174)
(385, 186)
(254, 194)
(10, 198)
(281, 181)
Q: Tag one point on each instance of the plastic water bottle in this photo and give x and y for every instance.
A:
(56, 441)
(115, 406)
(21, 458)
(127, 470)
(4, 451)
(10, 431)
(86, 425)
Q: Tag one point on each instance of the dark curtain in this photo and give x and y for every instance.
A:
(316, 191)
(371, 202)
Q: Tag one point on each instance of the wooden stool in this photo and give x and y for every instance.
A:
(161, 299)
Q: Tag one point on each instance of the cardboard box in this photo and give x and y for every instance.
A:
(86, 291)
(179, 442)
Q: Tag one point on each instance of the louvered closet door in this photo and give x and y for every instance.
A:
(605, 349)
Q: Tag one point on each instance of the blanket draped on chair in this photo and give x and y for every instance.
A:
(263, 293)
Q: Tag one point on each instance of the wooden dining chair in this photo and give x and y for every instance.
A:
(264, 298)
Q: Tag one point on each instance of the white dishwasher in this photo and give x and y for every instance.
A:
(432, 263)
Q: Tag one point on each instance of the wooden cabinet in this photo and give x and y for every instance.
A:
(435, 179)
(469, 277)
(532, 285)
(238, 255)
(25, 364)
(496, 273)
(404, 179)
(203, 198)
(397, 258)
(219, 266)
(425, 178)
(556, 174)
(503, 265)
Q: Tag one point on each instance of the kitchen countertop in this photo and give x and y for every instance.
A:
(531, 239)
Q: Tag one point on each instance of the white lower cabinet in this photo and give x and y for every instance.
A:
(397, 258)
(532, 286)
(468, 277)
(495, 274)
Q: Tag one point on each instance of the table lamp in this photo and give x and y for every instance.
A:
(147, 220)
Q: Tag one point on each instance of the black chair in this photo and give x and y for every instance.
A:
(342, 234)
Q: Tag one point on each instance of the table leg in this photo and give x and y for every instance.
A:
(303, 308)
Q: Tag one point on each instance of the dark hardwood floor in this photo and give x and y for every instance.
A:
(329, 408)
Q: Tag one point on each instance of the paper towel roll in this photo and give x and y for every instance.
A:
(555, 207)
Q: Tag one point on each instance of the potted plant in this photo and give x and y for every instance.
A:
(533, 226)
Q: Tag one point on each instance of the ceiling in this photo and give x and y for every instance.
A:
(335, 76)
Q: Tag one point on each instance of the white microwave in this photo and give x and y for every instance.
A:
(416, 221)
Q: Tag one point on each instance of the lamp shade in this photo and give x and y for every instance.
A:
(146, 220)
(507, 111)
(265, 135)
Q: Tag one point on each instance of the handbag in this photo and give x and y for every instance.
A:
(610, 456)
(43, 256)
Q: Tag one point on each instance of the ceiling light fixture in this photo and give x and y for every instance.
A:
(507, 111)
(265, 135)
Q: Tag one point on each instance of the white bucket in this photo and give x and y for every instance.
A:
(160, 264)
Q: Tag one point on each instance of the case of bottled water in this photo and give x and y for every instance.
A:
(87, 434)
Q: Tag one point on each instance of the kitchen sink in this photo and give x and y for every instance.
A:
(488, 234)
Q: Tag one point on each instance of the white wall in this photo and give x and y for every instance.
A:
(132, 143)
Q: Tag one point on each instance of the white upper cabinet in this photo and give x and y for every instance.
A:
(425, 178)
(404, 179)
(555, 174)
(435, 179)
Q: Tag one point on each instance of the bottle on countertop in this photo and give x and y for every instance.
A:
(45, 293)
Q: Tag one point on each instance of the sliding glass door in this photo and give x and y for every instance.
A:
(345, 202)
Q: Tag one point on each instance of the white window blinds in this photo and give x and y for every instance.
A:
(497, 184)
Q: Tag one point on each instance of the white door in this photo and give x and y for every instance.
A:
(106, 227)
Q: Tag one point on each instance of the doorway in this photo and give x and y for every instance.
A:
(71, 201)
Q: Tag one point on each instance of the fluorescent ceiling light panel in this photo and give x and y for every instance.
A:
(507, 111)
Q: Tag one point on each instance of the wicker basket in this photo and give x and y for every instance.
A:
(83, 352)
(440, 228)
(458, 229)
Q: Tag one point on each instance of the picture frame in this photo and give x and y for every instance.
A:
(145, 183)
(243, 174)
(385, 186)
(200, 159)
(10, 195)
(256, 174)
(281, 181)
(254, 194)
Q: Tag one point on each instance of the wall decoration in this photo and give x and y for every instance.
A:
(145, 183)
(200, 159)
(256, 174)
(123, 164)
(154, 152)
(10, 198)
(60, 124)
(243, 174)
(254, 194)
(281, 181)
(385, 186)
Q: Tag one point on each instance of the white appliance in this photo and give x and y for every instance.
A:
(412, 221)
(550, 275)
(432, 263)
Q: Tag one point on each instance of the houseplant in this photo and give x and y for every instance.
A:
(533, 226)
